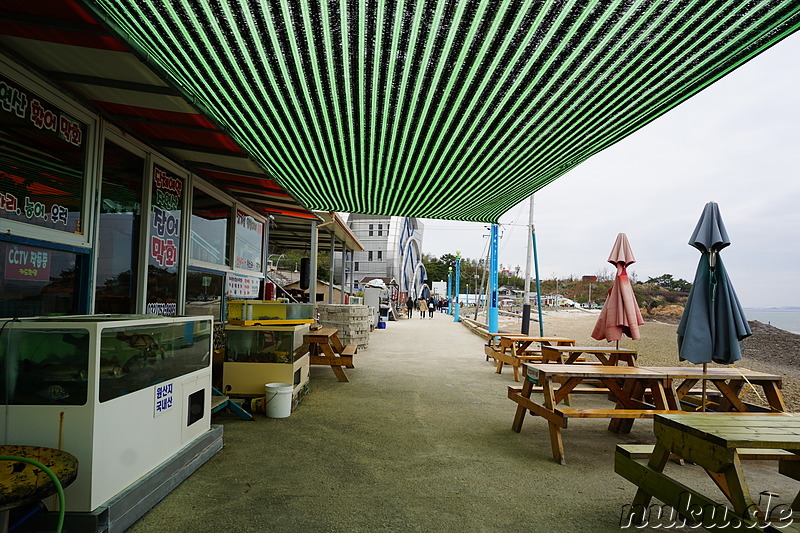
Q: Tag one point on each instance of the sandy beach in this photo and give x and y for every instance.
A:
(769, 349)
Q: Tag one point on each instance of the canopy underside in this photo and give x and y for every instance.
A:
(438, 109)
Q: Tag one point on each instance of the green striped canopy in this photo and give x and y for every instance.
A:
(440, 109)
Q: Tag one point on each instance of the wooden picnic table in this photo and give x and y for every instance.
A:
(514, 349)
(607, 355)
(325, 348)
(717, 443)
(638, 392)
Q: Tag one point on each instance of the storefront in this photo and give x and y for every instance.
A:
(118, 197)
(94, 221)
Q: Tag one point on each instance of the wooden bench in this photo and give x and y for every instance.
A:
(515, 350)
(349, 351)
(325, 348)
(643, 451)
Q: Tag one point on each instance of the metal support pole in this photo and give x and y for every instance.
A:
(312, 267)
(457, 306)
(449, 291)
(493, 251)
(352, 272)
(344, 265)
(331, 269)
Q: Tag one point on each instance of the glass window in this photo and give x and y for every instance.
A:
(204, 293)
(380, 255)
(119, 231)
(50, 366)
(42, 161)
(210, 218)
(370, 229)
(165, 243)
(249, 242)
(153, 354)
(369, 255)
(39, 281)
(380, 230)
(356, 266)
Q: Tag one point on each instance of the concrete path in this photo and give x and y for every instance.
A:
(420, 439)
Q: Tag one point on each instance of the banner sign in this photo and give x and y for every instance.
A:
(242, 287)
(18, 101)
(26, 263)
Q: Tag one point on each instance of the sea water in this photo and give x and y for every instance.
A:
(786, 319)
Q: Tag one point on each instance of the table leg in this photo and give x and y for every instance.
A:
(519, 416)
(774, 396)
(730, 395)
(602, 358)
(556, 442)
(658, 459)
(738, 493)
(618, 425)
(672, 395)
(338, 370)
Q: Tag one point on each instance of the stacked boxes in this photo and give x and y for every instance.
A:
(352, 321)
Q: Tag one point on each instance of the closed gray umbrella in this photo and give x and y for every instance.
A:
(713, 322)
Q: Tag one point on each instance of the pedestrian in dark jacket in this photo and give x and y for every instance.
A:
(431, 307)
(410, 306)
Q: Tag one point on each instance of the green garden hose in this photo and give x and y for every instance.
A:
(56, 482)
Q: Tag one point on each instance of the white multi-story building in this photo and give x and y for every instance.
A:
(392, 250)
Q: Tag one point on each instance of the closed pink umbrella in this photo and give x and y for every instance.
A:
(620, 314)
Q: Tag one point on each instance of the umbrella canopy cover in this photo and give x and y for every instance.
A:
(620, 314)
(713, 321)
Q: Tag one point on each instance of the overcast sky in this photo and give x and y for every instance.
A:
(736, 143)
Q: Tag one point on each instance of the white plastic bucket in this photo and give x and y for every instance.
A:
(278, 399)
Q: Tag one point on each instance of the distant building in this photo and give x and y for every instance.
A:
(392, 249)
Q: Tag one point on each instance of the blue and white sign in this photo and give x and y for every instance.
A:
(163, 399)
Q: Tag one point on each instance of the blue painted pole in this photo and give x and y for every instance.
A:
(457, 306)
(493, 251)
(449, 291)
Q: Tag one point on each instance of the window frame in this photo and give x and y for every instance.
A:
(53, 96)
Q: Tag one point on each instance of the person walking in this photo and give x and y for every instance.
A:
(431, 307)
(423, 306)
(410, 306)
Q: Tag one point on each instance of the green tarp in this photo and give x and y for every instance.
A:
(441, 109)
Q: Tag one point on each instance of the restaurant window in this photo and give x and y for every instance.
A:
(165, 243)
(371, 226)
(40, 281)
(249, 242)
(42, 161)
(119, 231)
(209, 241)
(204, 293)
(369, 256)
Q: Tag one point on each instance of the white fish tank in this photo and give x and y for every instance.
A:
(122, 393)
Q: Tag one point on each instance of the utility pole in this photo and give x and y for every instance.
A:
(526, 302)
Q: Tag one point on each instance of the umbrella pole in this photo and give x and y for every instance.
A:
(705, 368)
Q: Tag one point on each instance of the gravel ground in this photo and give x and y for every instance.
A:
(769, 349)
